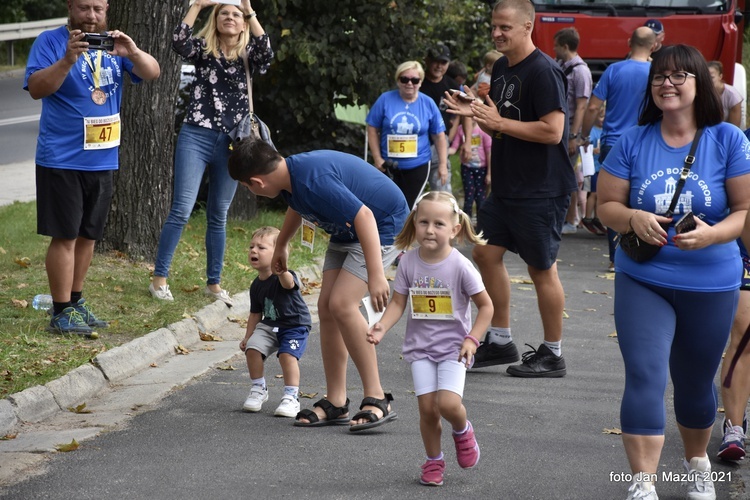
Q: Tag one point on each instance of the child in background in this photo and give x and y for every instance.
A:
(481, 86)
(279, 321)
(591, 221)
(475, 174)
(440, 340)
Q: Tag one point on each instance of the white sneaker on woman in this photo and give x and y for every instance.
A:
(161, 293)
(221, 295)
(700, 485)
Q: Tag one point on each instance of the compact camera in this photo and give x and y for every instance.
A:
(99, 41)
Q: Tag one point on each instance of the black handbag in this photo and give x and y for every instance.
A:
(251, 127)
(633, 246)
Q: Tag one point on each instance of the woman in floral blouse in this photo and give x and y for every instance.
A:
(218, 102)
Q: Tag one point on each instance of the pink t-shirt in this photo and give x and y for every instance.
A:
(438, 340)
(481, 143)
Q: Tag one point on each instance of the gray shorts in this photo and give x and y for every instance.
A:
(349, 257)
(268, 340)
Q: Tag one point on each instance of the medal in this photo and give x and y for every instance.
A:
(98, 96)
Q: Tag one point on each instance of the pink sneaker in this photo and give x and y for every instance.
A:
(467, 449)
(432, 473)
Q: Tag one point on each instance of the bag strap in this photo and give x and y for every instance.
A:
(689, 160)
(249, 81)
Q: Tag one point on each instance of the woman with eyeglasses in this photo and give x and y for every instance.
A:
(399, 128)
(673, 313)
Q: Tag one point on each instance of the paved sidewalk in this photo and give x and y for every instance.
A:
(19, 182)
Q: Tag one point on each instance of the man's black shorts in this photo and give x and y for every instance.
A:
(72, 203)
(530, 227)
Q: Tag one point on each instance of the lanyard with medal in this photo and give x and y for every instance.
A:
(97, 95)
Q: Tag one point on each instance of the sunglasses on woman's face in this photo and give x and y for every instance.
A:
(405, 80)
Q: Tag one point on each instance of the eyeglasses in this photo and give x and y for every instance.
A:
(405, 80)
(676, 79)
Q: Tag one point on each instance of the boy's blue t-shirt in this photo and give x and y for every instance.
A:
(330, 187)
(595, 139)
(653, 169)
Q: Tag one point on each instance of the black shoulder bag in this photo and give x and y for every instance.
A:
(631, 244)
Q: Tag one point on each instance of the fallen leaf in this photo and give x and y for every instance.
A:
(519, 279)
(21, 286)
(72, 446)
(8, 437)
(278, 376)
(187, 315)
(210, 337)
(590, 309)
(22, 261)
(565, 315)
(2, 251)
(525, 288)
(81, 408)
(191, 289)
(181, 349)
(118, 289)
(208, 348)
(589, 291)
(244, 267)
(154, 365)
(308, 395)
(226, 367)
(613, 430)
(613, 334)
(721, 409)
(19, 303)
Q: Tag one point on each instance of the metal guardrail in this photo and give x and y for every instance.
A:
(19, 31)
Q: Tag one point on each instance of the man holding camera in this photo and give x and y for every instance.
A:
(81, 86)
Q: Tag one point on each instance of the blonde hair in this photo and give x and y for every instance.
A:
(492, 56)
(210, 35)
(408, 234)
(405, 66)
(264, 231)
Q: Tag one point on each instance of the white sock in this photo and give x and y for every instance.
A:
(259, 381)
(439, 457)
(291, 390)
(458, 433)
(554, 347)
(499, 336)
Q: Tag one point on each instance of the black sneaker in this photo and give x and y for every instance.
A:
(539, 363)
(493, 354)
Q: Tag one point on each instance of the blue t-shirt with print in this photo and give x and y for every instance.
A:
(653, 169)
(330, 187)
(391, 115)
(64, 112)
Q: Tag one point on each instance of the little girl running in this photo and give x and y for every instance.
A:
(440, 340)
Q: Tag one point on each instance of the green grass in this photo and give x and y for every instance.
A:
(116, 288)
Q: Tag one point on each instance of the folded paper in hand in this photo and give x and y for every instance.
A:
(372, 315)
(587, 160)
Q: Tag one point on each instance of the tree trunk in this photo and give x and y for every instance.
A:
(143, 185)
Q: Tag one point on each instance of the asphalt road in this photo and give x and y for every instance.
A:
(539, 438)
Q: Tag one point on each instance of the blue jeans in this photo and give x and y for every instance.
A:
(198, 147)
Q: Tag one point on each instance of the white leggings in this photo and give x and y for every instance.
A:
(430, 376)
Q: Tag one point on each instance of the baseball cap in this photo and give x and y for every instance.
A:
(439, 53)
(655, 25)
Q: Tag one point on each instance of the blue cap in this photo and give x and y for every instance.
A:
(655, 25)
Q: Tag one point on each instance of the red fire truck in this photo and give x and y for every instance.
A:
(712, 26)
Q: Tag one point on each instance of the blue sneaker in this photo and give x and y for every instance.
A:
(88, 315)
(69, 321)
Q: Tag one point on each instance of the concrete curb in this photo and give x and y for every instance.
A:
(109, 369)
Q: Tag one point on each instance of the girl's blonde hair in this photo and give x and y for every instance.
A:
(408, 234)
(210, 34)
(405, 66)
